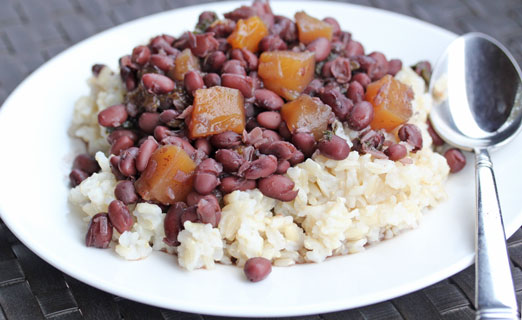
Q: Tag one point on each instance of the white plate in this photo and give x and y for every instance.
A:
(36, 158)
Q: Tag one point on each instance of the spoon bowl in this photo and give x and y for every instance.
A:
(481, 85)
(478, 87)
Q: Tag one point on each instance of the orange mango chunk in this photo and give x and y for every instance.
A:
(391, 100)
(286, 73)
(185, 62)
(310, 28)
(307, 114)
(168, 177)
(216, 110)
(248, 33)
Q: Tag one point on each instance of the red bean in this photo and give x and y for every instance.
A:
(282, 150)
(321, 47)
(126, 61)
(336, 29)
(262, 167)
(162, 44)
(169, 116)
(305, 142)
(251, 124)
(248, 58)
(380, 68)
(161, 132)
(394, 66)
(243, 12)
(225, 140)
(128, 75)
(360, 116)
(179, 142)
(77, 176)
(341, 70)
(234, 67)
(127, 164)
(145, 152)
(456, 160)
(172, 223)
(99, 234)
(205, 177)
(157, 83)
(230, 159)
(257, 269)
(250, 111)
(396, 152)
(86, 163)
(353, 48)
(411, 134)
(298, 157)
(204, 182)
(278, 187)
(269, 100)
(130, 83)
(214, 61)
(148, 121)
(436, 139)
(285, 28)
(120, 216)
(271, 135)
(168, 38)
(326, 70)
(116, 134)
(125, 192)
(189, 214)
(210, 166)
(240, 82)
(208, 211)
(194, 197)
(96, 69)
(355, 91)
(366, 63)
(269, 119)
(212, 80)
(123, 143)
(222, 29)
(113, 116)
(202, 44)
(203, 145)
(258, 83)
(313, 87)
(334, 147)
(207, 17)
(284, 131)
(362, 78)
(230, 184)
(114, 161)
(162, 62)
(193, 81)
(339, 103)
(283, 166)
(272, 43)
(141, 55)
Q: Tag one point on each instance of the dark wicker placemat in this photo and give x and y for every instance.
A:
(32, 31)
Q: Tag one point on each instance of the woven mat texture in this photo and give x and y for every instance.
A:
(33, 31)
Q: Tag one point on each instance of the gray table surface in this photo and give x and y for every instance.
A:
(33, 31)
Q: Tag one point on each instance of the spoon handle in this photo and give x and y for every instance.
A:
(494, 290)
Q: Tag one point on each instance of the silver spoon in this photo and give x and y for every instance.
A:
(482, 110)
